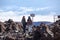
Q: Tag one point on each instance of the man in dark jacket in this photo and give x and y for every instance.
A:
(24, 23)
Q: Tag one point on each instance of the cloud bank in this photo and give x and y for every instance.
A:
(17, 15)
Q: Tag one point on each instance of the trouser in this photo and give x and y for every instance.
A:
(24, 28)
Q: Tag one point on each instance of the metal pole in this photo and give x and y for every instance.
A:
(54, 18)
(32, 19)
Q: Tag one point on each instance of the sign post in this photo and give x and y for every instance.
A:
(32, 15)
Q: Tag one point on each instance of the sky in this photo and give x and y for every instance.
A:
(44, 10)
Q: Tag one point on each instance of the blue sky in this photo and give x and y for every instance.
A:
(15, 9)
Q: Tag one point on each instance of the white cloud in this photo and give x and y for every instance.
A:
(52, 13)
(8, 13)
(41, 9)
(48, 18)
(26, 9)
(12, 15)
(44, 8)
(15, 15)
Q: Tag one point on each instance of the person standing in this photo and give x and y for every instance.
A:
(24, 23)
(29, 24)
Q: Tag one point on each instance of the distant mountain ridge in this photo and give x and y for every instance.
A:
(38, 23)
